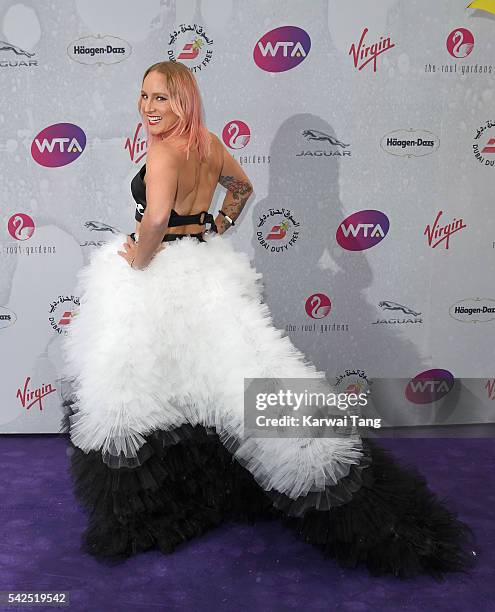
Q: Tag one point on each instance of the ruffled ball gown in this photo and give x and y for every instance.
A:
(154, 363)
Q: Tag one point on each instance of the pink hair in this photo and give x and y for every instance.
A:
(185, 102)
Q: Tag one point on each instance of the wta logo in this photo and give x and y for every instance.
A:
(282, 49)
(362, 230)
(429, 386)
(58, 145)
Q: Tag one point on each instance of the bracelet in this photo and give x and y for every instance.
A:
(227, 217)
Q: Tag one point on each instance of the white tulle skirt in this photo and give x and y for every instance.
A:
(171, 344)
(156, 361)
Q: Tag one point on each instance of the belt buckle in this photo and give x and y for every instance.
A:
(202, 220)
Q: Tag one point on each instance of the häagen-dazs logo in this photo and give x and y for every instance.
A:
(429, 386)
(282, 49)
(99, 49)
(410, 143)
(473, 310)
(236, 134)
(362, 230)
(58, 145)
(7, 317)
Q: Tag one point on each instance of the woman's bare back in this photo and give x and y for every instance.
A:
(196, 184)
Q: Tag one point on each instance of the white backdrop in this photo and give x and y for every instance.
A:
(333, 109)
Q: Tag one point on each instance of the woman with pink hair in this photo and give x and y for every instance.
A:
(171, 323)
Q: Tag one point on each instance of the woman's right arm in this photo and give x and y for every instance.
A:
(238, 187)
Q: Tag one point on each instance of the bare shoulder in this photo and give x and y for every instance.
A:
(162, 155)
(214, 138)
(216, 143)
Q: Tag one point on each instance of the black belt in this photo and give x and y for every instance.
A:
(198, 219)
(201, 218)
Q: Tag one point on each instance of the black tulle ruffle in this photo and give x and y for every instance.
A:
(393, 525)
(188, 482)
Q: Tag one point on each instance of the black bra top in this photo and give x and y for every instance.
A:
(138, 190)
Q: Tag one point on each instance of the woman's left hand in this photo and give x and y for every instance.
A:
(130, 250)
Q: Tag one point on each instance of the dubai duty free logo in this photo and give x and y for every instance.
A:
(281, 49)
(484, 144)
(280, 233)
(190, 45)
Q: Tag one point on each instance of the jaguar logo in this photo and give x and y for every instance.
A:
(317, 135)
(387, 305)
(97, 226)
(4, 46)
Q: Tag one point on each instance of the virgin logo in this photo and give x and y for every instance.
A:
(429, 386)
(58, 145)
(20, 226)
(363, 54)
(32, 397)
(236, 134)
(362, 230)
(318, 306)
(138, 145)
(437, 233)
(282, 49)
(460, 42)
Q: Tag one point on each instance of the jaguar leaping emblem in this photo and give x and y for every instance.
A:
(387, 305)
(4, 46)
(97, 226)
(317, 135)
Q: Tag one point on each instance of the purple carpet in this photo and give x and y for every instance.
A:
(235, 567)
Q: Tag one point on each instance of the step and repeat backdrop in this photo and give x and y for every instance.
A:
(367, 130)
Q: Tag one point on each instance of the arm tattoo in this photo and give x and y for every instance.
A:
(239, 192)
